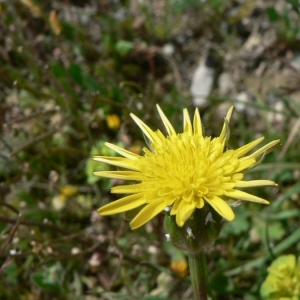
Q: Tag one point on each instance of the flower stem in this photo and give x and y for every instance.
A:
(197, 266)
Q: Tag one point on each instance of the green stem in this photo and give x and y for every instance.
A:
(197, 266)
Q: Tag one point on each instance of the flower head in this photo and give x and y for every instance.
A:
(183, 171)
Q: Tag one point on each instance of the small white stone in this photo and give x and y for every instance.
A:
(202, 84)
(152, 249)
(226, 83)
(295, 62)
(75, 251)
(242, 105)
(168, 49)
(13, 252)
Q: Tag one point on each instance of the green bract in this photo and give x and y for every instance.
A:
(198, 232)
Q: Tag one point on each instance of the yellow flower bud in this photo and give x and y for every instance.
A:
(113, 121)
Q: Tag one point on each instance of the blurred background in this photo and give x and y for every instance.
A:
(71, 72)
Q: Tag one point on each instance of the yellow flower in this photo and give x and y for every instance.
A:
(68, 190)
(113, 121)
(183, 171)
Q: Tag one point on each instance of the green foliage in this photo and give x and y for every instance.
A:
(179, 5)
(287, 24)
(50, 278)
(57, 91)
(124, 47)
(240, 225)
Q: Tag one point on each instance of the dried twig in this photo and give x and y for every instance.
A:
(33, 141)
(32, 116)
(11, 235)
(32, 223)
(5, 264)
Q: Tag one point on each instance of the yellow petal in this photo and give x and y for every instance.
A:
(160, 135)
(225, 134)
(248, 147)
(148, 213)
(151, 135)
(229, 113)
(199, 203)
(184, 211)
(169, 199)
(187, 125)
(122, 151)
(125, 175)
(252, 183)
(225, 130)
(122, 205)
(175, 207)
(118, 161)
(221, 207)
(197, 124)
(265, 149)
(245, 164)
(168, 125)
(127, 189)
(239, 195)
(228, 185)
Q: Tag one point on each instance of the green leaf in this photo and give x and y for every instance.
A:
(219, 283)
(68, 30)
(256, 263)
(239, 225)
(11, 273)
(76, 72)
(180, 5)
(124, 47)
(272, 14)
(276, 231)
(93, 86)
(58, 70)
(50, 278)
(285, 215)
(292, 191)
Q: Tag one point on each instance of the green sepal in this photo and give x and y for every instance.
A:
(198, 232)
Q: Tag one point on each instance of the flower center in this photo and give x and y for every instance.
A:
(188, 167)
